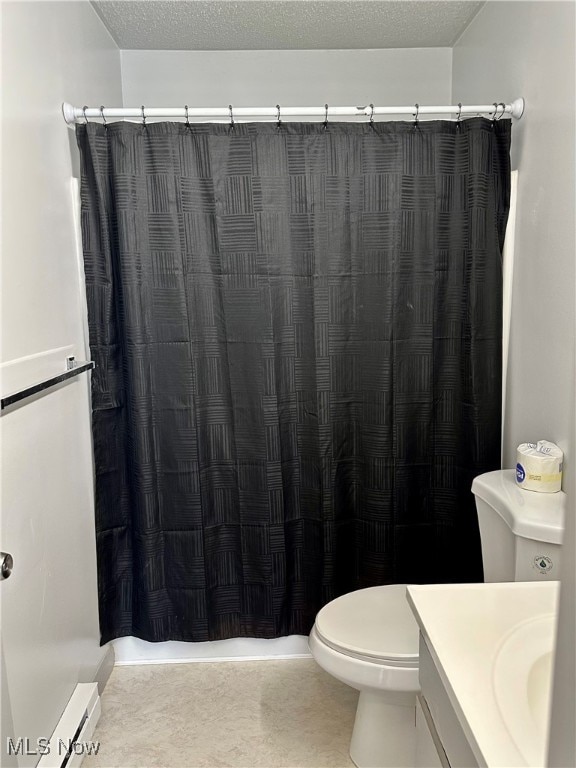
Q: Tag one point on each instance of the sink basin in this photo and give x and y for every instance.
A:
(522, 681)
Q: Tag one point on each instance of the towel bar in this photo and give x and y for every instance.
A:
(73, 368)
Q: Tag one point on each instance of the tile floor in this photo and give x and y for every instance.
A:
(257, 714)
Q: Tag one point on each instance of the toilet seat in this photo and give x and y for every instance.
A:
(369, 640)
(374, 625)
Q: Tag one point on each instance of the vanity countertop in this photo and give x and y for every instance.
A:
(465, 627)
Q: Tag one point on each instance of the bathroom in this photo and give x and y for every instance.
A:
(247, 699)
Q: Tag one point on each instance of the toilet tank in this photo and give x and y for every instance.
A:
(521, 531)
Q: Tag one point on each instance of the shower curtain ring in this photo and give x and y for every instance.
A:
(372, 115)
(416, 115)
(102, 115)
(231, 115)
(143, 116)
(186, 111)
(325, 116)
(279, 121)
(84, 108)
(501, 104)
(459, 111)
(495, 105)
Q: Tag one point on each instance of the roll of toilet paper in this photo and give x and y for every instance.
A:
(539, 466)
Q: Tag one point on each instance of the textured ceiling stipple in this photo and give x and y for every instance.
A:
(284, 24)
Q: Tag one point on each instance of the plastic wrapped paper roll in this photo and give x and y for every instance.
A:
(539, 467)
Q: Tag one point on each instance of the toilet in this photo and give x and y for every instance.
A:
(368, 639)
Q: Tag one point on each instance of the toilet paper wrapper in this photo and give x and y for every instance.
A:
(539, 466)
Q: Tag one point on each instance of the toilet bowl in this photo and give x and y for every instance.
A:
(368, 639)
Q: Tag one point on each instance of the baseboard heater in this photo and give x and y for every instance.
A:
(70, 742)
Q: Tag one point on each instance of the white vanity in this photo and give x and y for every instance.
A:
(485, 673)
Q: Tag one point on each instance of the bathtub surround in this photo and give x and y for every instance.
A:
(295, 329)
(132, 650)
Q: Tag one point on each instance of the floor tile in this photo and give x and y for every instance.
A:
(257, 714)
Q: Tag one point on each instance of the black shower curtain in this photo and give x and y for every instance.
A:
(297, 337)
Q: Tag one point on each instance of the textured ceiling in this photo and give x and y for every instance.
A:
(284, 24)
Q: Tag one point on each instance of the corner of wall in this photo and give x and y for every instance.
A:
(105, 668)
(115, 45)
(122, 52)
(450, 74)
(458, 42)
(103, 24)
(470, 23)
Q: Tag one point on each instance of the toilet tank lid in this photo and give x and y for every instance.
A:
(533, 515)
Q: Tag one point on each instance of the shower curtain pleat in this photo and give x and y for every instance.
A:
(297, 337)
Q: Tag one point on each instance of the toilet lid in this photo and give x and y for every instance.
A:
(376, 622)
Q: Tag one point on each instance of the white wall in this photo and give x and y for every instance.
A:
(60, 51)
(288, 78)
(527, 49)
(51, 52)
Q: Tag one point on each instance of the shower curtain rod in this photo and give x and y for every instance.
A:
(496, 109)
